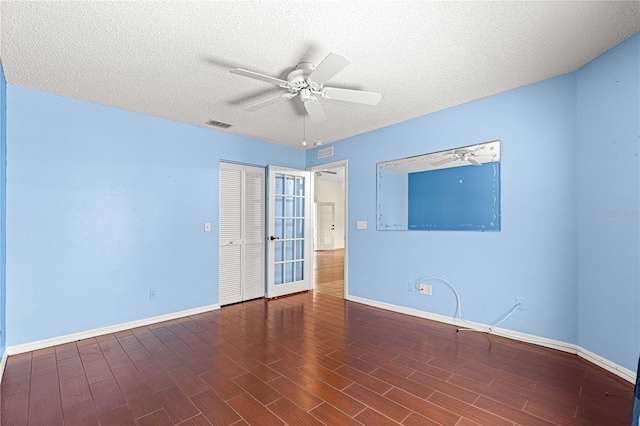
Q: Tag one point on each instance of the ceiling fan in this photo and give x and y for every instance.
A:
(461, 154)
(308, 82)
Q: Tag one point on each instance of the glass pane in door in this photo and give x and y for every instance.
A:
(299, 271)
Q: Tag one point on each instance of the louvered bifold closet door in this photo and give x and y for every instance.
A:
(230, 265)
(254, 181)
(242, 223)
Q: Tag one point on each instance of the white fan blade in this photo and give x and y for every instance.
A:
(262, 77)
(441, 162)
(474, 162)
(315, 111)
(368, 98)
(330, 66)
(259, 105)
(466, 150)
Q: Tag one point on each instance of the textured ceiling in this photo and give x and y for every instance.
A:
(172, 59)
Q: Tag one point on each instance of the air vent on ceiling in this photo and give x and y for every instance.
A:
(219, 124)
(326, 152)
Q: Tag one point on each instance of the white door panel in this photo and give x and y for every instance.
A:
(230, 274)
(241, 259)
(325, 219)
(289, 242)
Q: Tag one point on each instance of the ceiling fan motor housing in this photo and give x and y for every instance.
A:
(299, 79)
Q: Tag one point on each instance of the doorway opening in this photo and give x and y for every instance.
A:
(330, 228)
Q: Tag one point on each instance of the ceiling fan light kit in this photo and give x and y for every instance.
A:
(307, 82)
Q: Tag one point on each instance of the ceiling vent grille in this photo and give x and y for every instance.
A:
(219, 124)
(326, 152)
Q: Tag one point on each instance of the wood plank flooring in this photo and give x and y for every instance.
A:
(307, 359)
(328, 274)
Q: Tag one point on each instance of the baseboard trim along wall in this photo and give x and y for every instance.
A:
(3, 363)
(41, 344)
(611, 367)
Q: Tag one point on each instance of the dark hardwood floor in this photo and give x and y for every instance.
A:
(328, 274)
(307, 359)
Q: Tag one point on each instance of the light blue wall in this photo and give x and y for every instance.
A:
(104, 204)
(569, 242)
(533, 256)
(608, 134)
(3, 204)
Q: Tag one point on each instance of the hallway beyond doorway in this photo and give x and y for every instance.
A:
(328, 277)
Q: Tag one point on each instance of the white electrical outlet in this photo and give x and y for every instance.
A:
(426, 289)
(153, 293)
(412, 286)
(520, 303)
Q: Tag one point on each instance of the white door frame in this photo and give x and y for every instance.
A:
(343, 163)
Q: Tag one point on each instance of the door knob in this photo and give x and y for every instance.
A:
(274, 238)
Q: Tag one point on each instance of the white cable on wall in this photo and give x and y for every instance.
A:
(458, 315)
(459, 304)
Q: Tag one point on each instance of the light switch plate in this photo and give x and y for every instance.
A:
(207, 227)
(361, 224)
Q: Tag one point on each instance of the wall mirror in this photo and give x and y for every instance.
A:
(453, 190)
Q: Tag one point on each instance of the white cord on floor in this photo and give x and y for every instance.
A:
(475, 327)
(490, 328)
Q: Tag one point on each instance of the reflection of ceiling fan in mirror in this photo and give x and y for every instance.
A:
(319, 173)
(308, 82)
(462, 155)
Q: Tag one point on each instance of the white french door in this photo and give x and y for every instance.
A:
(289, 231)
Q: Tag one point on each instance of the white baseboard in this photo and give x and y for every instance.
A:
(610, 366)
(536, 340)
(3, 363)
(409, 311)
(41, 344)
